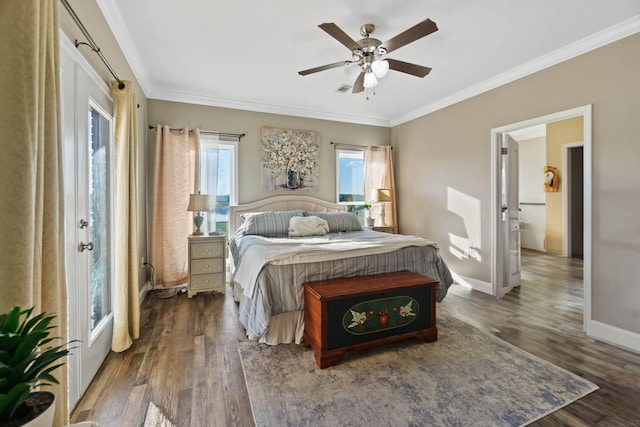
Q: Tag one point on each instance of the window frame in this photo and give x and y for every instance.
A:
(354, 206)
(211, 140)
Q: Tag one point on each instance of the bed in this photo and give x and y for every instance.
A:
(268, 267)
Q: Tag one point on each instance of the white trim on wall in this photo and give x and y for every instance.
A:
(613, 335)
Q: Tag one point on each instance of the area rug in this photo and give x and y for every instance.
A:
(466, 378)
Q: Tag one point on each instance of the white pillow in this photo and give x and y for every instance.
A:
(300, 226)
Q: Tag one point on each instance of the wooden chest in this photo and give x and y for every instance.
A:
(358, 312)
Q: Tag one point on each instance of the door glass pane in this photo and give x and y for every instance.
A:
(99, 264)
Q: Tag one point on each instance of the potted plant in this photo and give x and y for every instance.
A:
(26, 364)
(369, 220)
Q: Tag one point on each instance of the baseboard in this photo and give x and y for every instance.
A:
(475, 284)
(144, 291)
(148, 287)
(613, 335)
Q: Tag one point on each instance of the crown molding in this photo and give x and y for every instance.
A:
(587, 44)
(112, 15)
(190, 98)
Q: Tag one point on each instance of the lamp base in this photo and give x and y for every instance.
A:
(383, 221)
(197, 220)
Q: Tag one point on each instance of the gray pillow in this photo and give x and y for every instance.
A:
(268, 224)
(339, 221)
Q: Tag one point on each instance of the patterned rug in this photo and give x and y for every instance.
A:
(467, 377)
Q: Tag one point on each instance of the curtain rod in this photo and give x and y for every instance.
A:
(350, 146)
(208, 132)
(92, 44)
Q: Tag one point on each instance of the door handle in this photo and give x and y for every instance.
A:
(86, 246)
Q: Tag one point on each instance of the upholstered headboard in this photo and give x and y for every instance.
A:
(281, 203)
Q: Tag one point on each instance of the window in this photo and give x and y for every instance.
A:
(350, 180)
(218, 179)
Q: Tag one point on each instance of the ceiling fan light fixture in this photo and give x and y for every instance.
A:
(370, 80)
(380, 68)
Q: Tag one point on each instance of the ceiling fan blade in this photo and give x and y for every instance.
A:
(322, 68)
(420, 30)
(358, 85)
(409, 68)
(334, 31)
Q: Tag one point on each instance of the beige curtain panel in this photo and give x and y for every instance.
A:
(378, 173)
(126, 306)
(177, 174)
(31, 191)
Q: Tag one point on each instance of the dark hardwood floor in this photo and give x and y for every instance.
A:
(186, 361)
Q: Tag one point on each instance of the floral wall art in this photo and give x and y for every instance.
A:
(289, 159)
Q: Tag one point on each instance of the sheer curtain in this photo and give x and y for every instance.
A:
(177, 174)
(31, 190)
(126, 307)
(378, 173)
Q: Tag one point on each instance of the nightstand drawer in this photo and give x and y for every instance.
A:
(207, 250)
(204, 266)
(207, 281)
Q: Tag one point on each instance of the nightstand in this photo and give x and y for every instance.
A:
(206, 264)
(383, 228)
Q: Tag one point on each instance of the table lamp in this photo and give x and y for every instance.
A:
(198, 203)
(381, 195)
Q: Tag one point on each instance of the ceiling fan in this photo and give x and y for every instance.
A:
(368, 54)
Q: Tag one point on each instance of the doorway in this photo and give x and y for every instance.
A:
(499, 248)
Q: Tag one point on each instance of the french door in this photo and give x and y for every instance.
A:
(88, 135)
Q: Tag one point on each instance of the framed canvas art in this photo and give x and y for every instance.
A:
(289, 159)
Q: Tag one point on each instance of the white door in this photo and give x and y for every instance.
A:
(87, 130)
(510, 215)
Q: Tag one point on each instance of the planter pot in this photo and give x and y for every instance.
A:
(37, 411)
(370, 222)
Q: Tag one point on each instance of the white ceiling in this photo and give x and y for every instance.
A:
(247, 54)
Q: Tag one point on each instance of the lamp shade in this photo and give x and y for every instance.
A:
(198, 203)
(380, 68)
(381, 195)
(369, 80)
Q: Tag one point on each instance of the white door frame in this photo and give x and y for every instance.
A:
(496, 266)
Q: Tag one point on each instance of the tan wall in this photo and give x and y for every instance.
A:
(93, 20)
(558, 133)
(451, 149)
(178, 114)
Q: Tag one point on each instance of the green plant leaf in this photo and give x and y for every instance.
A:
(11, 321)
(24, 361)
